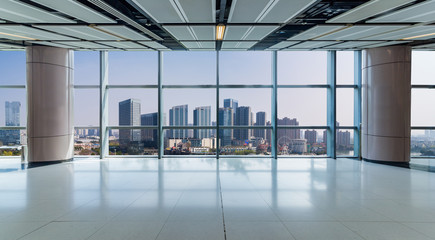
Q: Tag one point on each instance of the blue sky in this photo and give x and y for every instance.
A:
(195, 68)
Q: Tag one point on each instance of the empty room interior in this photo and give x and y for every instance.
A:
(217, 119)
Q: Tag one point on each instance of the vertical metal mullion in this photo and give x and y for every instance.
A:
(357, 102)
(159, 104)
(217, 106)
(274, 106)
(104, 106)
(332, 104)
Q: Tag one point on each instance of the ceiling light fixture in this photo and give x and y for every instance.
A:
(419, 36)
(18, 36)
(220, 31)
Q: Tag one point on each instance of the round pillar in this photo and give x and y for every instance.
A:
(50, 129)
(386, 116)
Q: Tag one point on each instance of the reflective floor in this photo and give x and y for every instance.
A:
(205, 199)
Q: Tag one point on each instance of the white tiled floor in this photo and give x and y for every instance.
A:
(250, 198)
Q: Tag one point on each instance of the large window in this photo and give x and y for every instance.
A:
(13, 104)
(422, 110)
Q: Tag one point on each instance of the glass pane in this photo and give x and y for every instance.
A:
(422, 143)
(87, 141)
(245, 141)
(302, 68)
(189, 142)
(344, 142)
(86, 68)
(132, 142)
(245, 67)
(136, 68)
(423, 67)
(422, 109)
(303, 107)
(345, 106)
(189, 107)
(301, 142)
(86, 107)
(345, 67)
(133, 103)
(11, 141)
(189, 68)
(13, 107)
(12, 68)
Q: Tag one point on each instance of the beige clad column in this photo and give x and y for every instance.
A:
(386, 117)
(50, 129)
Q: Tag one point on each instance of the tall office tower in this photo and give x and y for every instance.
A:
(311, 136)
(213, 132)
(149, 119)
(269, 133)
(129, 115)
(260, 121)
(286, 135)
(226, 119)
(231, 103)
(243, 118)
(202, 117)
(12, 118)
(343, 139)
(325, 136)
(178, 116)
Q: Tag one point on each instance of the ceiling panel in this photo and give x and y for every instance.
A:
(284, 10)
(52, 44)
(234, 45)
(359, 32)
(426, 46)
(406, 33)
(124, 32)
(10, 46)
(24, 13)
(313, 44)
(77, 10)
(15, 32)
(283, 44)
(199, 44)
(155, 45)
(180, 32)
(422, 12)
(122, 44)
(82, 32)
(192, 33)
(84, 44)
(179, 11)
(353, 44)
(258, 32)
(247, 11)
(366, 10)
(316, 32)
(204, 32)
(235, 32)
(389, 43)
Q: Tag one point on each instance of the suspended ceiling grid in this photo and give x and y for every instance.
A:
(132, 25)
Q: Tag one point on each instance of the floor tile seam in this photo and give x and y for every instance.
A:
(34, 230)
(95, 232)
(222, 203)
(125, 208)
(403, 224)
(73, 209)
(358, 234)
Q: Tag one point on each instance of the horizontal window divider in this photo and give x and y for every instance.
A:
(347, 127)
(132, 127)
(422, 86)
(245, 86)
(423, 128)
(245, 127)
(189, 127)
(86, 86)
(12, 86)
(302, 127)
(302, 86)
(86, 127)
(346, 86)
(189, 86)
(12, 128)
(302, 156)
(132, 86)
(130, 156)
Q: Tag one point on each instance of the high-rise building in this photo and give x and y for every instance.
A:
(178, 116)
(243, 118)
(343, 139)
(202, 117)
(285, 136)
(260, 121)
(12, 118)
(225, 119)
(311, 136)
(149, 119)
(269, 133)
(129, 115)
(233, 104)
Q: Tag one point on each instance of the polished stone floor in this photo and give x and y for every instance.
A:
(250, 198)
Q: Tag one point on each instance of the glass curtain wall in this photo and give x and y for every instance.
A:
(422, 110)
(13, 104)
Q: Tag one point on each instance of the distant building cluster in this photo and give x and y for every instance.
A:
(12, 119)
